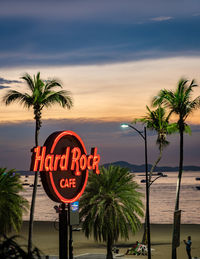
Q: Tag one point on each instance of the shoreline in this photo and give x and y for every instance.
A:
(46, 238)
(161, 203)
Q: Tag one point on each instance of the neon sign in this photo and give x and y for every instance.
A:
(63, 165)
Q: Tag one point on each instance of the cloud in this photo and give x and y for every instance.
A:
(104, 10)
(4, 86)
(161, 18)
(96, 32)
(7, 81)
(196, 14)
(63, 42)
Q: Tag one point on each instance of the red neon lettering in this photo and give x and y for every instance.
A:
(49, 162)
(83, 162)
(68, 183)
(79, 163)
(96, 160)
(64, 160)
(72, 182)
(76, 154)
(89, 164)
(38, 158)
(62, 183)
(57, 158)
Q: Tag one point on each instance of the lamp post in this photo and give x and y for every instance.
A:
(144, 137)
(144, 239)
(161, 175)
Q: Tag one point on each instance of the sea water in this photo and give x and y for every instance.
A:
(162, 198)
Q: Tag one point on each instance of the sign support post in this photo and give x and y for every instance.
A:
(63, 233)
(70, 234)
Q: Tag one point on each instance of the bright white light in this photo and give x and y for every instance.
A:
(124, 125)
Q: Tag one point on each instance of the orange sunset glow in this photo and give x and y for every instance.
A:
(121, 94)
(113, 57)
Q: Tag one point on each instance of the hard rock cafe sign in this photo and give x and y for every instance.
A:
(63, 165)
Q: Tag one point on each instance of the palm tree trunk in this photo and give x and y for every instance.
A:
(180, 172)
(32, 209)
(155, 164)
(144, 238)
(178, 192)
(109, 248)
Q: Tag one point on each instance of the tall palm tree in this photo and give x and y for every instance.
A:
(109, 205)
(42, 94)
(12, 204)
(179, 102)
(158, 121)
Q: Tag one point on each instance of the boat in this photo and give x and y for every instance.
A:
(31, 185)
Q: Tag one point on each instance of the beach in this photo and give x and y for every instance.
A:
(162, 201)
(45, 237)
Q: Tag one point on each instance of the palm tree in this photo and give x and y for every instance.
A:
(109, 205)
(9, 248)
(42, 94)
(179, 102)
(158, 121)
(12, 204)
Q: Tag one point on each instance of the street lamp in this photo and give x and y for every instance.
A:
(160, 175)
(143, 134)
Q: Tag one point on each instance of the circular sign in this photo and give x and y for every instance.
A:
(63, 179)
(63, 165)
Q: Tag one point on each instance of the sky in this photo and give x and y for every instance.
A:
(113, 56)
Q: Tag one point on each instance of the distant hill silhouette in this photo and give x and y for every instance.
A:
(22, 172)
(136, 168)
(141, 168)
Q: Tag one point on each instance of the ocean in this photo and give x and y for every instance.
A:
(162, 198)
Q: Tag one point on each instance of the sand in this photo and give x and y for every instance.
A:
(45, 237)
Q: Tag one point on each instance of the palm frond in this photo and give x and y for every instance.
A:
(181, 86)
(179, 101)
(13, 95)
(62, 98)
(12, 204)
(156, 120)
(189, 90)
(29, 81)
(41, 95)
(187, 129)
(110, 203)
(50, 84)
(158, 100)
(195, 104)
(172, 128)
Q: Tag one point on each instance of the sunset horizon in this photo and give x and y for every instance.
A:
(113, 65)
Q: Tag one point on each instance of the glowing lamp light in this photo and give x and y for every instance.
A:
(124, 125)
